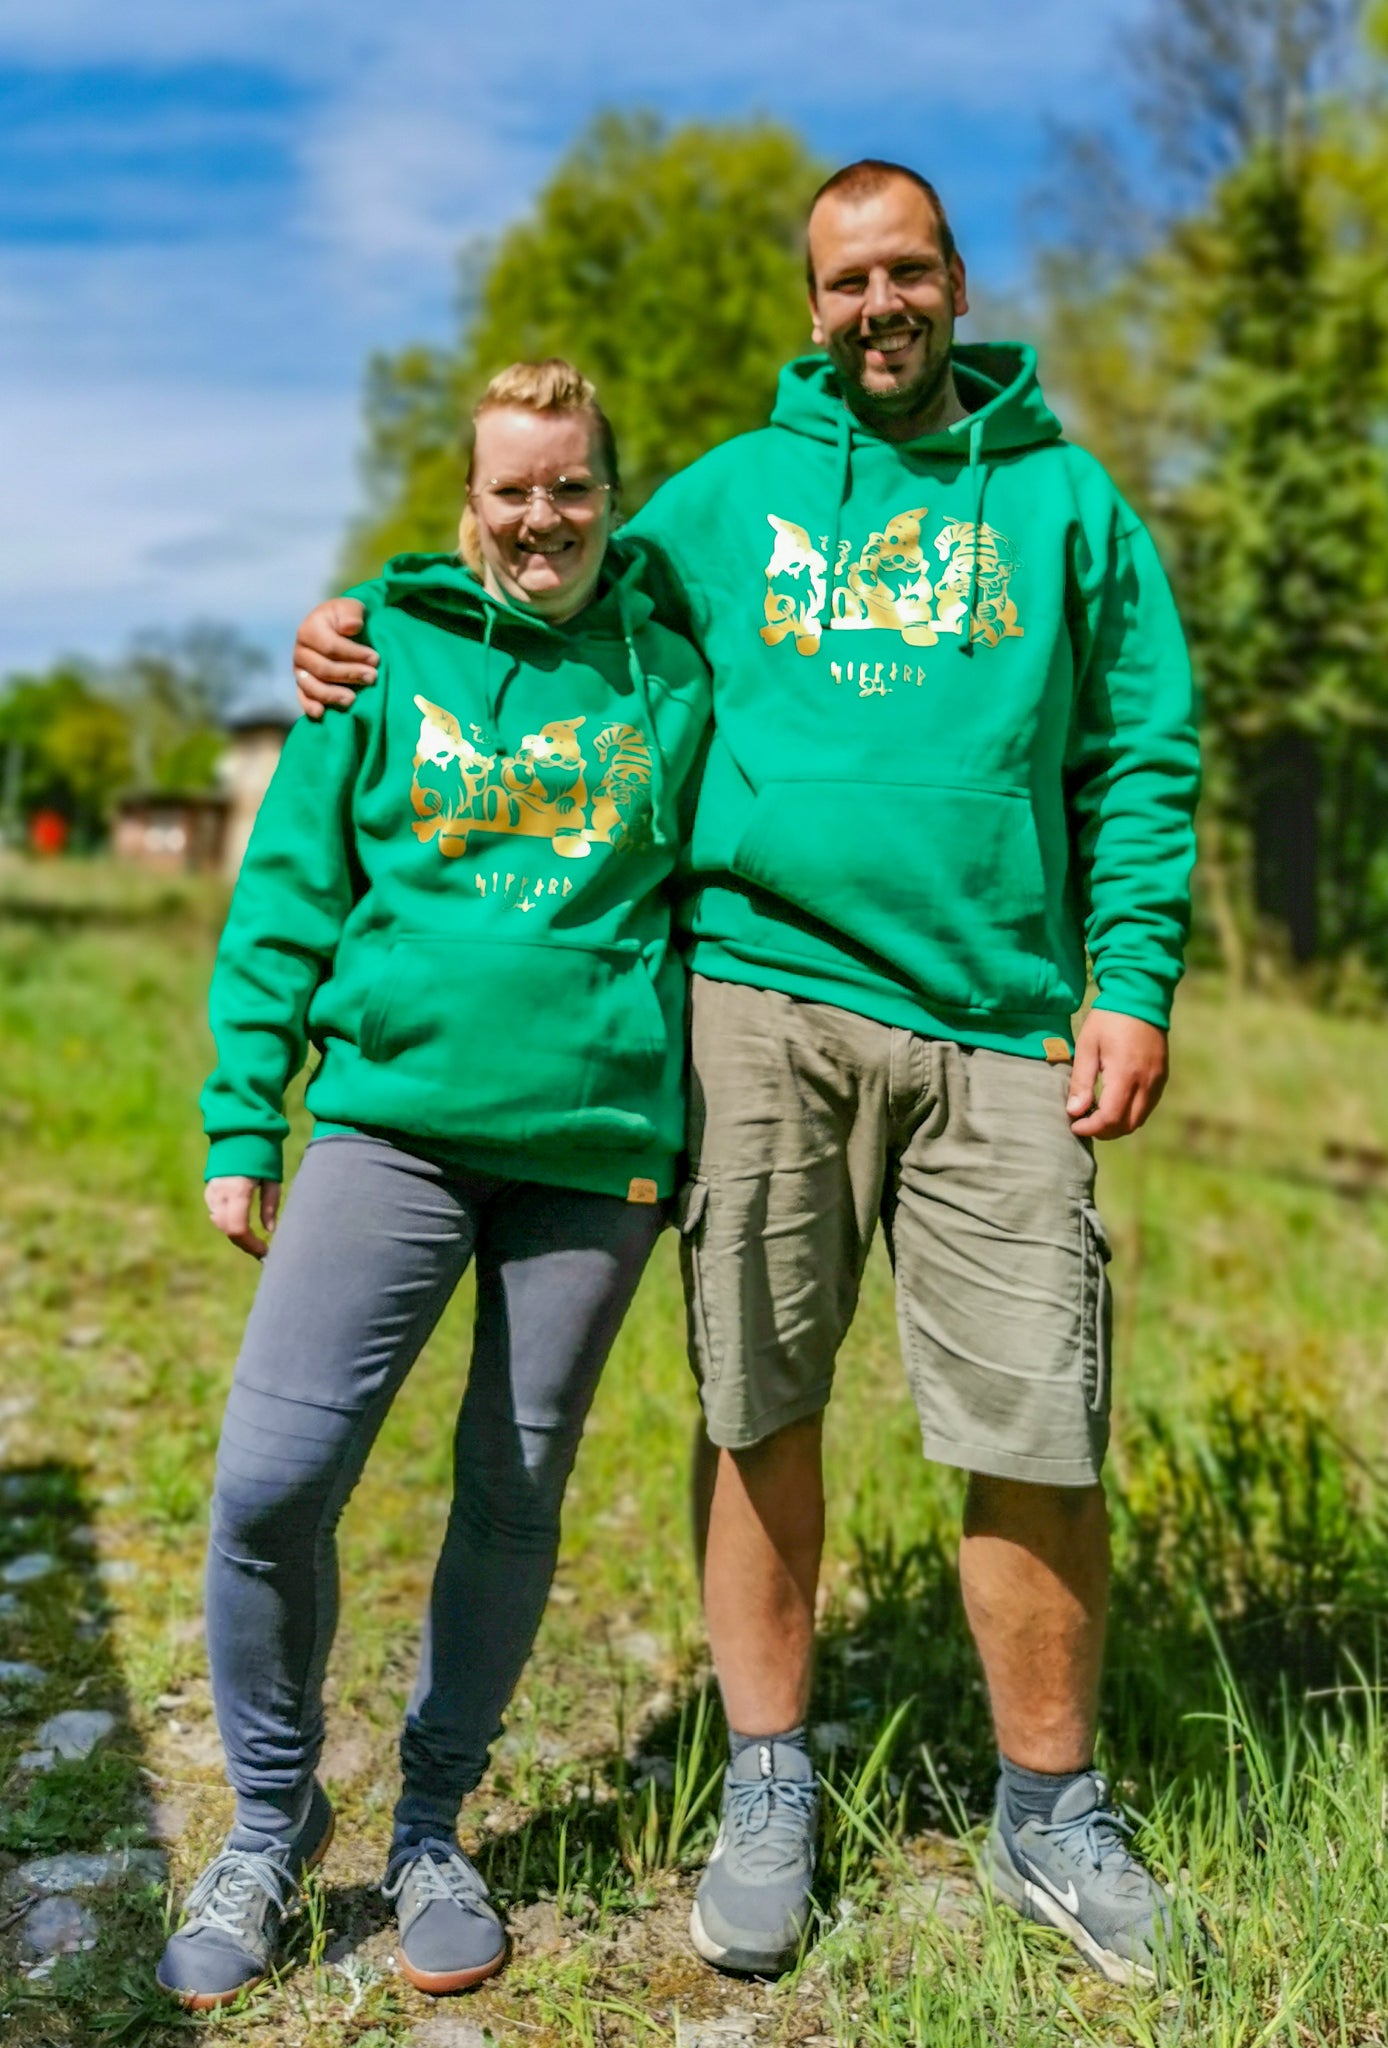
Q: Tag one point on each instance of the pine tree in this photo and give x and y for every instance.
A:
(1280, 540)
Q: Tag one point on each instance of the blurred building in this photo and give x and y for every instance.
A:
(171, 832)
(254, 743)
(205, 831)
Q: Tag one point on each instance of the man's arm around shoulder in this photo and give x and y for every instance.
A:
(330, 662)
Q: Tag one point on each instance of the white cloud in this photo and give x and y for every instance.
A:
(119, 512)
(160, 31)
(393, 187)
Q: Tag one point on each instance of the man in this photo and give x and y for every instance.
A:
(953, 751)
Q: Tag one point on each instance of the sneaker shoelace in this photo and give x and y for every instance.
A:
(1098, 1835)
(229, 1896)
(768, 1818)
(436, 1878)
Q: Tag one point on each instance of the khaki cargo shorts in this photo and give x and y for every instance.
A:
(807, 1124)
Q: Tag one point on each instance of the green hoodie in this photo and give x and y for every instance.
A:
(915, 817)
(456, 892)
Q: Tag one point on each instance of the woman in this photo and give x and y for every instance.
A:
(457, 893)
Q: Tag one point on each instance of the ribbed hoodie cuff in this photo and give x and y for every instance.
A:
(247, 1152)
(1130, 993)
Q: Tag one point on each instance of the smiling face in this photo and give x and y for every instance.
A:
(544, 555)
(884, 302)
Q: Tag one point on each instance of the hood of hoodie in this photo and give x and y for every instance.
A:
(997, 381)
(444, 584)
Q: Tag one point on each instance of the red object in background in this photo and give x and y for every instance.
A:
(47, 832)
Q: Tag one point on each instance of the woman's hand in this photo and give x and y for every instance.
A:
(229, 1198)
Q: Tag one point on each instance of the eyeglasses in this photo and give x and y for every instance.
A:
(576, 497)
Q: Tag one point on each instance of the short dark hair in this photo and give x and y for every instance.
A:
(861, 180)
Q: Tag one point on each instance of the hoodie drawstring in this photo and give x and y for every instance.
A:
(488, 622)
(493, 702)
(978, 484)
(640, 683)
(978, 479)
(845, 485)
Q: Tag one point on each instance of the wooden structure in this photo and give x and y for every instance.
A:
(171, 832)
(254, 744)
(206, 831)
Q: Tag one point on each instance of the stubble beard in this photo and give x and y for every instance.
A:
(885, 410)
(911, 406)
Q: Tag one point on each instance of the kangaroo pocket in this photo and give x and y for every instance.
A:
(942, 882)
(545, 1042)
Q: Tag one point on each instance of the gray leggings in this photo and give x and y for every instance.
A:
(372, 1245)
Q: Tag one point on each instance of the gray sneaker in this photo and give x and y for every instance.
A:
(450, 1939)
(232, 1916)
(1076, 1872)
(753, 1902)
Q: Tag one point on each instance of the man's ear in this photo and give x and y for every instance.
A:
(959, 284)
(816, 324)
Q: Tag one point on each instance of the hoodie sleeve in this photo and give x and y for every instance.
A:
(294, 891)
(1133, 773)
(669, 527)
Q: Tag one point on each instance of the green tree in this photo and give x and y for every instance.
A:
(667, 264)
(63, 747)
(1230, 361)
(75, 739)
(1281, 546)
(177, 690)
(1216, 81)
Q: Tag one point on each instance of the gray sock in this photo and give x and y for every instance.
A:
(1031, 1795)
(793, 1738)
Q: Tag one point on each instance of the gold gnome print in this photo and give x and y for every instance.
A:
(888, 586)
(539, 792)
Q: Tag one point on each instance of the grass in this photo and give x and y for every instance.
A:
(1243, 1707)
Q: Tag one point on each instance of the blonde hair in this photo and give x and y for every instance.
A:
(554, 385)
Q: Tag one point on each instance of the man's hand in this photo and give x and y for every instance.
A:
(229, 1199)
(1130, 1059)
(325, 656)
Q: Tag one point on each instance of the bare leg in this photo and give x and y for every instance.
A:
(765, 1535)
(703, 1476)
(1034, 1566)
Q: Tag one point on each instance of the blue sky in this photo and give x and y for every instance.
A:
(210, 214)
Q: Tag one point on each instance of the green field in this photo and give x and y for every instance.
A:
(1242, 1709)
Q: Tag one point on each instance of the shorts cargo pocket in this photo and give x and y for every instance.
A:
(691, 1211)
(1096, 1308)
